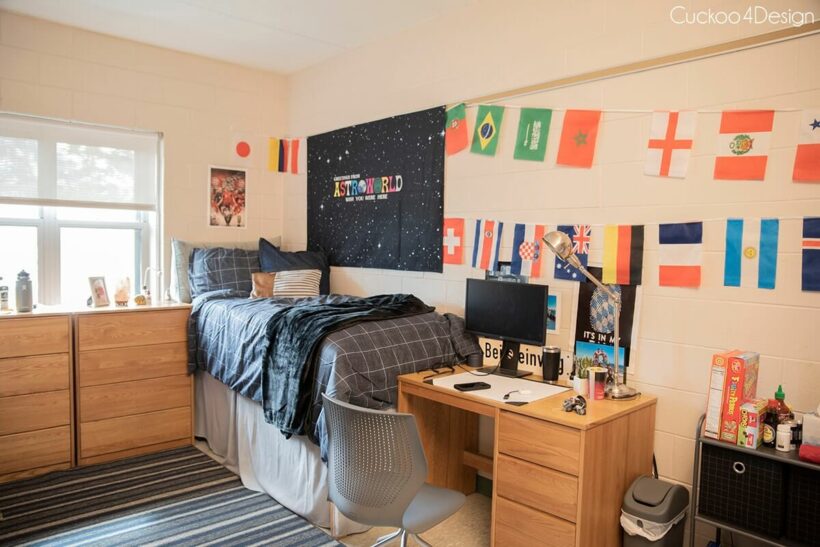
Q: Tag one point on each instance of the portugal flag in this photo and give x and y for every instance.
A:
(455, 136)
(577, 147)
(623, 254)
(743, 144)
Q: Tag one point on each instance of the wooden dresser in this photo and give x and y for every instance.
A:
(558, 478)
(134, 395)
(36, 394)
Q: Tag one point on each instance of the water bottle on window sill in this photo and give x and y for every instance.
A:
(23, 292)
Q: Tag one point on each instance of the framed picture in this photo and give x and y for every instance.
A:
(227, 203)
(99, 294)
(553, 312)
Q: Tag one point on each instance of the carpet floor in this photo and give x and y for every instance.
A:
(179, 497)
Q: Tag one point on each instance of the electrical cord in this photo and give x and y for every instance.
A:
(474, 373)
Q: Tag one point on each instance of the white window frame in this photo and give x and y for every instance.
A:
(148, 243)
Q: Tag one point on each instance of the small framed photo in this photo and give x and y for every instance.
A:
(99, 294)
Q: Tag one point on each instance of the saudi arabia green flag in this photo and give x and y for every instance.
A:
(533, 128)
(487, 128)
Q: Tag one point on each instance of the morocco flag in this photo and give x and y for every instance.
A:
(743, 144)
(577, 146)
(455, 136)
(807, 157)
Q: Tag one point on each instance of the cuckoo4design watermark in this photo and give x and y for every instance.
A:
(752, 15)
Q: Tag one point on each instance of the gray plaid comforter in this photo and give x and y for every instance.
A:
(359, 364)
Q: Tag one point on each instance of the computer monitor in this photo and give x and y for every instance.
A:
(515, 313)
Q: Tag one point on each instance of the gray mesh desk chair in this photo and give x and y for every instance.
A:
(377, 468)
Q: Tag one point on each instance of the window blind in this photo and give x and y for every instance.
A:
(54, 163)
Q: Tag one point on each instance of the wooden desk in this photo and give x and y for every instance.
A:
(559, 478)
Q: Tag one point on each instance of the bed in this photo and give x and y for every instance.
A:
(234, 344)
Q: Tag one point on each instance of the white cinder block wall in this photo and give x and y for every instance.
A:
(491, 47)
(198, 104)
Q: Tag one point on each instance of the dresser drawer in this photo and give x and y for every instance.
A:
(35, 449)
(538, 487)
(129, 432)
(133, 328)
(138, 397)
(519, 525)
(22, 375)
(107, 366)
(540, 442)
(34, 336)
(36, 411)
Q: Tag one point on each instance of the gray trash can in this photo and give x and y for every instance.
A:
(653, 513)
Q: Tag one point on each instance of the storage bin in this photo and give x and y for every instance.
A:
(803, 505)
(742, 489)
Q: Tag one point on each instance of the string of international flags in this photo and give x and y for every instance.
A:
(742, 151)
(750, 259)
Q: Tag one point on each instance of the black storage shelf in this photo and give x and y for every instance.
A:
(794, 521)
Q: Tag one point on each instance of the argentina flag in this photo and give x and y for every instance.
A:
(751, 252)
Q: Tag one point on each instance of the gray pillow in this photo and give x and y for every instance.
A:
(217, 269)
(181, 256)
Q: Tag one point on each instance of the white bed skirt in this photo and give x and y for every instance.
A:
(289, 470)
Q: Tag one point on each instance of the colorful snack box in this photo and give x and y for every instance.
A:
(750, 430)
(741, 386)
(717, 385)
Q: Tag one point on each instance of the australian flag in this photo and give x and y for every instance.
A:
(811, 254)
(580, 235)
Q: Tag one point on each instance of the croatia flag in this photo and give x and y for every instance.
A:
(452, 247)
(528, 249)
(670, 144)
(743, 144)
(807, 156)
(681, 249)
(580, 235)
(811, 254)
(487, 244)
(751, 252)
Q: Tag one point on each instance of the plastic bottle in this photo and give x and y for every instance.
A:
(782, 410)
(770, 425)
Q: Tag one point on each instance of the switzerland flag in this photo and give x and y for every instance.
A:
(578, 137)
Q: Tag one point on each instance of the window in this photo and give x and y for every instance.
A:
(76, 201)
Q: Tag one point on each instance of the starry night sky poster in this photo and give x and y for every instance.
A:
(376, 193)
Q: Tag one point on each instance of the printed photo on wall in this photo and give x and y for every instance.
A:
(226, 197)
(553, 311)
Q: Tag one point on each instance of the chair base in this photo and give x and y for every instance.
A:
(403, 535)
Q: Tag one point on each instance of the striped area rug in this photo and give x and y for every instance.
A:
(178, 497)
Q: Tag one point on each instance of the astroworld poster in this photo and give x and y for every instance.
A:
(376, 193)
(595, 325)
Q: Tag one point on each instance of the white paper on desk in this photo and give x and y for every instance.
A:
(500, 386)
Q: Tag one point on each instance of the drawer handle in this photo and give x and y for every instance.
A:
(739, 467)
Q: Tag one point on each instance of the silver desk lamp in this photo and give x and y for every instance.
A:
(560, 244)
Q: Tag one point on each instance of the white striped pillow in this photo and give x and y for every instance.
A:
(297, 283)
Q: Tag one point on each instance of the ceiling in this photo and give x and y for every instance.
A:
(279, 35)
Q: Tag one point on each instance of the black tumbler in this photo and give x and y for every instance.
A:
(552, 365)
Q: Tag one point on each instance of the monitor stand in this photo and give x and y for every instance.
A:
(509, 362)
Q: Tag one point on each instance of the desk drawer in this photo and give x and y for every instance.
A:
(33, 336)
(32, 412)
(22, 375)
(538, 487)
(107, 366)
(540, 442)
(35, 449)
(129, 432)
(126, 398)
(135, 328)
(519, 525)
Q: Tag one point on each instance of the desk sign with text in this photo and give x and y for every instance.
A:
(376, 193)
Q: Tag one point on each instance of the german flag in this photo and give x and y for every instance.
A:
(623, 254)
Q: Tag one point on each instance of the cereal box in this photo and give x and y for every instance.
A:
(717, 385)
(741, 386)
(750, 430)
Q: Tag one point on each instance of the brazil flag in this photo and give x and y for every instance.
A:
(487, 129)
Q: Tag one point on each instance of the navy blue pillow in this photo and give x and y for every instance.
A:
(272, 259)
(220, 268)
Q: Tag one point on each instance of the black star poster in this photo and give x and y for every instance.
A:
(376, 193)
